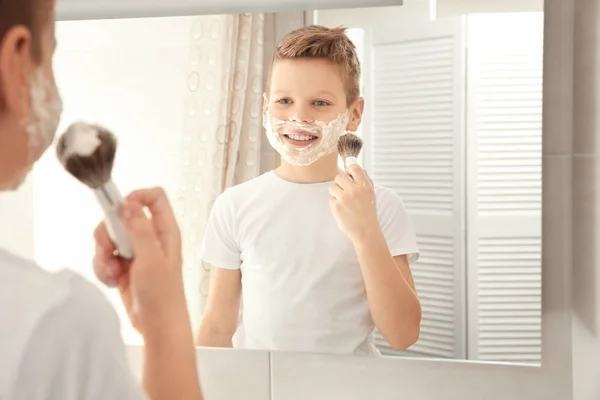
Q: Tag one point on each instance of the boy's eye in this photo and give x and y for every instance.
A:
(320, 103)
(284, 101)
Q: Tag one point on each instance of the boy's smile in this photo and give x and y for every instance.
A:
(299, 137)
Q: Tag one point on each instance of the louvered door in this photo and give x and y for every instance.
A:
(416, 88)
(504, 149)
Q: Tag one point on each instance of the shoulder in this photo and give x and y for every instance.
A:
(390, 208)
(34, 291)
(387, 198)
(239, 194)
(54, 311)
(83, 316)
(24, 283)
(250, 186)
(396, 224)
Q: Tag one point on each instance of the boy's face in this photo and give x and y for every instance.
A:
(306, 90)
(30, 103)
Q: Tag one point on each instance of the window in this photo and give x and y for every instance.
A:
(129, 75)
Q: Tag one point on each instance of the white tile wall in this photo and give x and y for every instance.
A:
(585, 195)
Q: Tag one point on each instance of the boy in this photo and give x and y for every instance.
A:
(318, 257)
(59, 337)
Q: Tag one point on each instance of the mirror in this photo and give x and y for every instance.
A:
(451, 124)
(454, 127)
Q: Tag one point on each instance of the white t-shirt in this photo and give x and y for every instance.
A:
(302, 285)
(59, 338)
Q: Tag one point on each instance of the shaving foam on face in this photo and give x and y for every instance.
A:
(40, 124)
(80, 139)
(328, 134)
(44, 116)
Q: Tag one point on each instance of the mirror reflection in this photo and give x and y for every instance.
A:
(430, 247)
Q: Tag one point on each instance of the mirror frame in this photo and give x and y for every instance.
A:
(427, 378)
(67, 10)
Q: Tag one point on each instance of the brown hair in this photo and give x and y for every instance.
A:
(29, 13)
(316, 41)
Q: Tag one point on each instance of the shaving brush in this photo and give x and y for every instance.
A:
(349, 146)
(87, 152)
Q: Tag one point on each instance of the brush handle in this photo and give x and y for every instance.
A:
(351, 161)
(110, 200)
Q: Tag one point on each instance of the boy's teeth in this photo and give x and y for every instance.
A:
(301, 137)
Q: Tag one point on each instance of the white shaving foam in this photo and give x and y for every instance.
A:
(40, 124)
(328, 133)
(80, 139)
(43, 119)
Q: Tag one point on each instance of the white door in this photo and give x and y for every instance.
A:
(504, 166)
(453, 124)
(413, 81)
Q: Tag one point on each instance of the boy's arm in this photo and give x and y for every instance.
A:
(392, 297)
(384, 241)
(220, 317)
(220, 249)
(169, 369)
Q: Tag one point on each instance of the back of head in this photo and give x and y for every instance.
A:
(332, 44)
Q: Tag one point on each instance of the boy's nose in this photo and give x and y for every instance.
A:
(300, 114)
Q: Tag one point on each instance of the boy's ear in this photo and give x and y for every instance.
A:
(16, 66)
(356, 113)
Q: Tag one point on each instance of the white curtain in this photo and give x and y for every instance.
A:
(222, 129)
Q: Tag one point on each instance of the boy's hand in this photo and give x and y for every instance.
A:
(151, 284)
(353, 203)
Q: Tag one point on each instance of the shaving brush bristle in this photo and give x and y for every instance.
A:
(349, 145)
(87, 152)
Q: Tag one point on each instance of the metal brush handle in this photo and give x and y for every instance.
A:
(110, 200)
